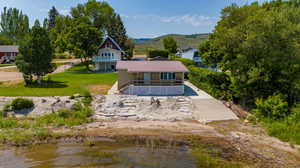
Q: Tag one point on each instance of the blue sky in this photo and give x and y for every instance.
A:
(143, 18)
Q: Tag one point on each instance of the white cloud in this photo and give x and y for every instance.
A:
(64, 11)
(61, 11)
(189, 19)
(194, 20)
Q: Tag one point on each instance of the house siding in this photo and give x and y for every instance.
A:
(155, 90)
(123, 78)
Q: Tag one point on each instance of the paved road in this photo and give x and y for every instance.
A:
(10, 76)
(13, 76)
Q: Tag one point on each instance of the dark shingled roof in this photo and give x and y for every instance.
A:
(151, 66)
(9, 48)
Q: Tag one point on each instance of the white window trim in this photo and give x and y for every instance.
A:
(169, 76)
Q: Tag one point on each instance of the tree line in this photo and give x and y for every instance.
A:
(79, 34)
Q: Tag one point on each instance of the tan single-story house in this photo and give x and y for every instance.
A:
(151, 78)
(8, 53)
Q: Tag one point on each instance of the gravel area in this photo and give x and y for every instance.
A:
(42, 105)
(143, 108)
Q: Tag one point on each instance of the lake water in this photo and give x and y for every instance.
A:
(107, 154)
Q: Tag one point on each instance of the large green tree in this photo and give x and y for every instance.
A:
(14, 24)
(103, 17)
(5, 40)
(170, 45)
(83, 41)
(98, 13)
(35, 55)
(259, 46)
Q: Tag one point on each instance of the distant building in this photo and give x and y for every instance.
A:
(139, 57)
(109, 53)
(151, 78)
(190, 53)
(8, 53)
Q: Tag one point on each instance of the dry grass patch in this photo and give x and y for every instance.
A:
(226, 127)
(14, 83)
(9, 69)
(98, 89)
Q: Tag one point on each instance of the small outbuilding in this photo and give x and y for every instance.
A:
(151, 78)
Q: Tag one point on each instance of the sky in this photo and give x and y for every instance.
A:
(143, 18)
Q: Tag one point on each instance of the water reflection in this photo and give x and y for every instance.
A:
(103, 154)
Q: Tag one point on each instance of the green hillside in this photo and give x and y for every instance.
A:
(184, 41)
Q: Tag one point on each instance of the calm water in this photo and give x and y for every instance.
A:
(103, 154)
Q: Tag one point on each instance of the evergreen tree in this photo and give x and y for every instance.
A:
(37, 23)
(117, 31)
(14, 24)
(35, 55)
(46, 24)
(53, 13)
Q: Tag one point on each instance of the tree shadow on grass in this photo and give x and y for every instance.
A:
(48, 84)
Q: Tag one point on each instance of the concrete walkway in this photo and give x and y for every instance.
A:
(114, 89)
(207, 108)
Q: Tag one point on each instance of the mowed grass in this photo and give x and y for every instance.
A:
(6, 65)
(63, 84)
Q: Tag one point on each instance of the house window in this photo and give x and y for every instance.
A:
(112, 56)
(167, 76)
(108, 45)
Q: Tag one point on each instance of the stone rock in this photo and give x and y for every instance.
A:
(77, 95)
(44, 101)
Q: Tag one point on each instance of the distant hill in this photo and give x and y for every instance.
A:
(184, 41)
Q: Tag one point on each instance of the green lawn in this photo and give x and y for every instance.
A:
(63, 84)
(5, 65)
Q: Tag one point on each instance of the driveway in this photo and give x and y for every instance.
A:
(10, 76)
(207, 108)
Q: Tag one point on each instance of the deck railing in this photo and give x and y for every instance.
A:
(157, 82)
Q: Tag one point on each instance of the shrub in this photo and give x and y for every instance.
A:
(87, 100)
(66, 117)
(1, 114)
(217, 84)
(61, 55)
(185, 61)
(7, 107)
(21, 103)
(8, 123)
(274, 107)
(158, 53)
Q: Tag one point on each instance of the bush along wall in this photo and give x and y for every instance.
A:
(158, 53)
(215, 83)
